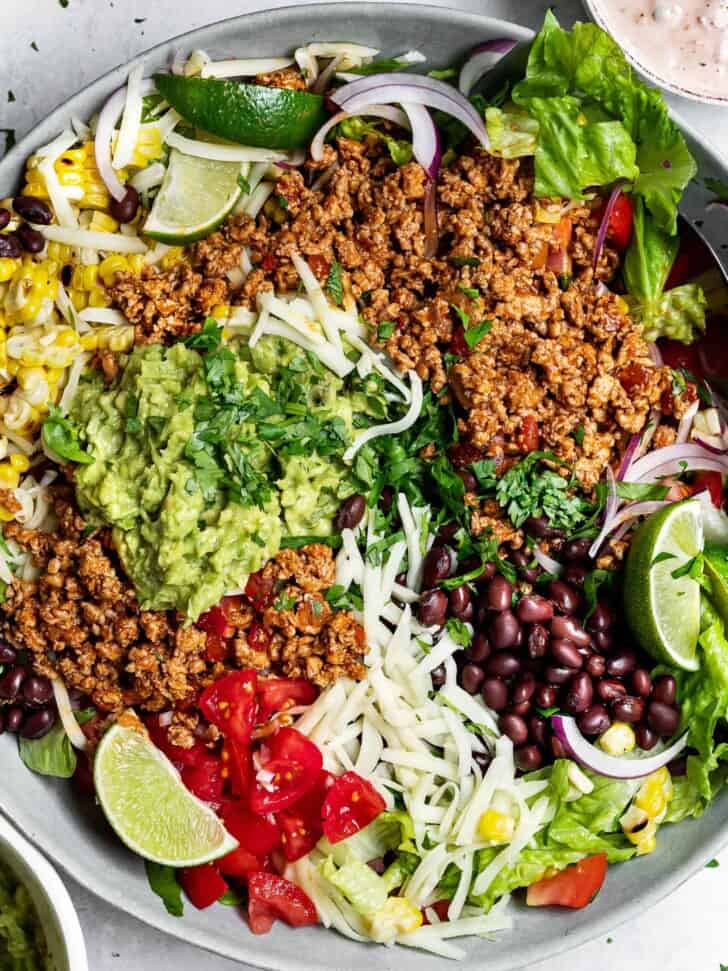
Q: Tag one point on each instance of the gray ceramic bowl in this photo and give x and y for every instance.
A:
(73, 832)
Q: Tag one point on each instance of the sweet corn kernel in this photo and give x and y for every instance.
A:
(655, 793)
(8, 267)
(618, 739)
(646, 845)
(397, 916)
(54, 375)
(9, 477)
(98, 298)
(103, 223)
(496, 827)
(19, 462)
(67, 337)
(221, 311)
(171, 257)
(5, 515)
(79, 298)
(89, 342)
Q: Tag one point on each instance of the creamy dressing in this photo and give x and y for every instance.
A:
(685, 42)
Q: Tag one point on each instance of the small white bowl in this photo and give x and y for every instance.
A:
(595, 10)
(56, 912)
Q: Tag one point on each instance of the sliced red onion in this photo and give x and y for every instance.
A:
(547, 563)
(322, 81)
(655, 353)
(432, 238)
(325, 177)
(296, 160)
(628, 457)
(165, 718)
(713, 449)
(482, 59)
(388, 112)
(604, 227)
(425, 138)
(686, 422)
(412, 89)
(177, 64)
(633, 511)
(612, 766)
(649, 433)
(674, 460)
(104, 131)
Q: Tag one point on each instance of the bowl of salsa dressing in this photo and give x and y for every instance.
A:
(681, 45)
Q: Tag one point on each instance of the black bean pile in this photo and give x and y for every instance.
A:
(27, 706)
(536, 652)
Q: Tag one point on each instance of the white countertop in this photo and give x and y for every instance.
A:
(76, 43)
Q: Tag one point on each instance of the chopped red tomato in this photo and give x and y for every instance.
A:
(301, 825)
(619, 230)
(237, 767)
(676, 490)
(254, 833)
(277, 694)
(216, 648)
(259, 590)
(527, 438)
(677, 355)
(238, 864)
(283, 784)
(205, 778)
(458, 344)
(713, 482)
(576, 886)
(558, 259)
(202, 884)
(287, 743)
(258, 637)
(350, 804)
(440, 907)
(269, 262)
(177, 755)
(271, 897)
(231, 704)
(214, 621)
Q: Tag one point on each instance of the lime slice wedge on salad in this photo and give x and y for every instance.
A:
(664, 610)
(249, 114)
(147, 804)
(194, 198)
(716, 568)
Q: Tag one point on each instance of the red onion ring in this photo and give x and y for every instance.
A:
(322, 81)
(710, 448)
(104, 132)
(388, 112)
(686, 423)
(655, 353)
(412, 89)
(298, 157)
(425, 138)
(546, 562)
(604, 226)
(430, 219)
(177, 64)
(612, 766)
(675, 459)
(628, 457)
(481, 60)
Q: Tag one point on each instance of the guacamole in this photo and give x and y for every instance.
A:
(204, 461)
(22, 941)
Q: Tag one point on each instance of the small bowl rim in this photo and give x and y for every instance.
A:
(49, 886)
(595, 12)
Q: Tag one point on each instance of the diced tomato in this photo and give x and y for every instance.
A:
(320, 266)
(277, 694)
(540, 256)
(231, 704)
(289, 780)
(202, 884)
(298, 837)
(204, 778)
(558, 259)
(288, 743)
(677, 355)
(254, 833)
(440, 907)
(676, 490)
(713, 482)
(269, 262)
(259, 590)
(258, 637)
(237, 768)
(271, 897)
(527, 438)
(216, 648)
(214, 621)
(178, 756)
(350, 804)
(576, 886)
(238, 864)
(619, 230)
(458, 344)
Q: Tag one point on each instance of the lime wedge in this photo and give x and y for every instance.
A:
(147, 804)
(249, 114)
(194, 198)
(662, 610)
(716, 567)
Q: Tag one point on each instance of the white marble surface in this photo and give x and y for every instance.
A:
(75, 43)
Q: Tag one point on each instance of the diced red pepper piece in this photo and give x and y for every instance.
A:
(203, 884)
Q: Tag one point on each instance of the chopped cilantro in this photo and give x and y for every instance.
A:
(661, 557)
(334, 283)
(692, 568)
(443, 74)
(244, 185)
(340, 599)
(458, 632)
(34, 45)
(207, 339)
(578, 435)
(547, 712)
(385, 330)
(285, 601)
(642, 491)
(712, 865)
(465, 261)
(462, 316)
(530, 489)
(296, 542)
(471, 292)
(475, 334)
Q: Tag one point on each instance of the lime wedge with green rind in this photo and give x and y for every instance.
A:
(664, 611)
(147, 804)
(196, 195)
(716, 568)
(249, 114)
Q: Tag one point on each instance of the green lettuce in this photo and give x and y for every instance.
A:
(678, 314)
(357, 129)
(512, 132)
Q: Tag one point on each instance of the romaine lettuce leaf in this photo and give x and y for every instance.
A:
(512, 132)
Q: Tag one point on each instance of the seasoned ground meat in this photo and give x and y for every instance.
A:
(287, 77)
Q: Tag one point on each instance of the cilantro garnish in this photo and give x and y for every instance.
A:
(531, 489)
(284, 601)
(244, 185)
(385, 330)
(334, 284)
(474, 335)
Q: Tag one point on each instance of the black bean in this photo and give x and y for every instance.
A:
(610, 689)
(628, 709)
(505, 631)
(538, 641)
(30, 239)
(579, 694)
(14, 719)
(528, 758)
(125, 209)
(601, 617)
(537, 725)
(565, 653)
(601, 641)
(571, 629)
(642, 682)
(545, 696)
(37, 691)
(555, 674)
(460, 658)
(488, 573)
(503, 664)
(33, 209)
(563, 596)
(461, 604)
(11, 683)
(437, 566)
(482, 760)
(576, 549)
(38, 724)
(10, 247)
(480, 649)
(471, 678)
(521, 709)
(438, 676)
(595, 666)
(445, 535)
(575, 574)
(350, 514)
(523, 689)
(662, 718)
(621, 663)
(514, 727)
(522, 561)
(494, 693)
(557, 748)
(646, 738)
(500, 592)
(7, 654)
(665, 689)
(468, 480)
(678, 766)
(594, 720)
(4, 217)
(533, 609)
(538, 526)
(386, 498)
(432, 608)
(535, 666)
